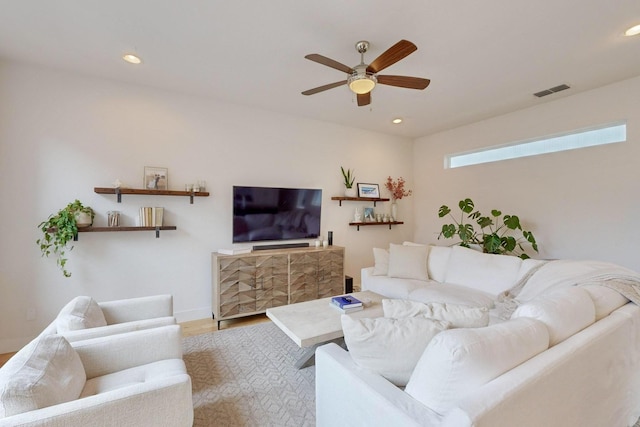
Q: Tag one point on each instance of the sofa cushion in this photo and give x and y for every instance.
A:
(80, 313)
(459, 361)
(487, 272)
(381, 259)
(437, 262)
(460, 316)
(604, 299)
(564, 311)
(408, 262)
(46, 372)
(432, 291)
(389, 347)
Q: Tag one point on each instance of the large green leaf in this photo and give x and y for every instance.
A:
(509, 243)
(448, 230)
(512, 222)
(485, 221)
(466, 205)
(444, 210)
(466, 232)
(491, 243)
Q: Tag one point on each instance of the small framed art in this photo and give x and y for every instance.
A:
(156, 178)
(369, 190)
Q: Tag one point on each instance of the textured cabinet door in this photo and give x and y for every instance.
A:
(237, 286)
(272, 281)
(330, 273)
(303, 275)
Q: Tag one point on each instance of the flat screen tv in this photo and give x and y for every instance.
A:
(267, 213)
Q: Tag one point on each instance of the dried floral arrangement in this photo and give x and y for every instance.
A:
(396, 187)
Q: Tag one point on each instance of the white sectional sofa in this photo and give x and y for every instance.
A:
(562, 347)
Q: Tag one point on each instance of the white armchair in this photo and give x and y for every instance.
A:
(130, 379)
(83, 318)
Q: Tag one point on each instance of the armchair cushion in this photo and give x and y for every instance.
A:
(46, 372)
(389, 347)
(80, 313)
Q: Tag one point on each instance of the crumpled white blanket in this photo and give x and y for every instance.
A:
(562, 273)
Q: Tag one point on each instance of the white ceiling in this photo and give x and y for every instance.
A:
(484, 58)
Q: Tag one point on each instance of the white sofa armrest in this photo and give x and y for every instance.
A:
(365, 273)
(349, 396)
(105, 355)
(128, 310)
(118, 328)
(162, 402)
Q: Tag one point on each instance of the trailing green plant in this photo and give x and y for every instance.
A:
(60, 229)
(348, 176)
(496, 233)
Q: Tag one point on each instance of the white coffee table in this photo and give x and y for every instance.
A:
(313, 323)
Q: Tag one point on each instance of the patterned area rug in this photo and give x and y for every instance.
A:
(245, 377)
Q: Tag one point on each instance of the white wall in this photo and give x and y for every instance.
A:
(580, 204)
(63, 134)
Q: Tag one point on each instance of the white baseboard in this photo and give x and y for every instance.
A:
(195, 314)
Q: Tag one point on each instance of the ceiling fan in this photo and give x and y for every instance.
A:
(363, 77)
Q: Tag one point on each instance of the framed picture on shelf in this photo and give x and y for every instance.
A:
(156, 178)
(368, 190)
(369, 215)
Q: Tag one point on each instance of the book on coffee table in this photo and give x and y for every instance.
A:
(346, 301)
(346, 310)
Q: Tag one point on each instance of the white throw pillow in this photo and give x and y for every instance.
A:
(459, 361)
(460, 316)
(408, 262)
(80, 313)
(485, 272)
(46, 372)
(604, 299)
(564, 311)
(389, 347)
(381, 258)
(437, 262)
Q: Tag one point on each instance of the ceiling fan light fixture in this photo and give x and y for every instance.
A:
(131, 58)
(633, 31)
(362, 83)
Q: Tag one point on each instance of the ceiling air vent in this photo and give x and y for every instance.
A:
(551, 90)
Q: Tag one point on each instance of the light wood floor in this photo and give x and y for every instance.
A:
(196, 327)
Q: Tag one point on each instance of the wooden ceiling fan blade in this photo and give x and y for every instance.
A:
(329, 62)
(323, 88)
(404, 81)
(364, 99)
(392, 55)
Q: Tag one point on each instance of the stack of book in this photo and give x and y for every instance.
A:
(151, 217)
(346, 304)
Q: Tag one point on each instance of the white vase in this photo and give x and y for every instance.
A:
(350, 192)
(394, 211)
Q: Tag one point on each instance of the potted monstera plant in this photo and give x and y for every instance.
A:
(497, 234)
(60, 229)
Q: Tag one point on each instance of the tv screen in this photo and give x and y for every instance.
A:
(266, 213)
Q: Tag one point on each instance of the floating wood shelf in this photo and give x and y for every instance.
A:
(141, 191)
(116, 229)
(359, 224)
(360, 199)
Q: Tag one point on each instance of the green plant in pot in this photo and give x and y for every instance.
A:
(349, 178)
(498, 234)
(60, 229)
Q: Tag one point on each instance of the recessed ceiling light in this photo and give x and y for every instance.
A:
(131, 58)
(635, 30)
(397, 121)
